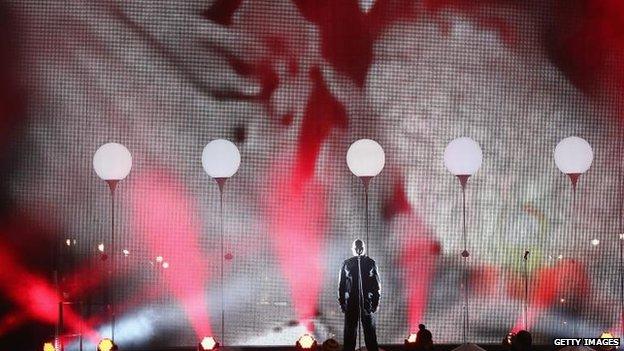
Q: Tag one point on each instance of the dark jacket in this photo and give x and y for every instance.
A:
(349, 283)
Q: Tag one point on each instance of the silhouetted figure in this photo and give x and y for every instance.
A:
(330, 345)
(522, 341)
(424, 339)
(359, 296)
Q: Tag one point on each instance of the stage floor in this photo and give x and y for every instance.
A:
(442, 347)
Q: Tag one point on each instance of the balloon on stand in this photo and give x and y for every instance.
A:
(573, 155)
(366, 158)
(112, 161)
(221, 158)
(463, 157)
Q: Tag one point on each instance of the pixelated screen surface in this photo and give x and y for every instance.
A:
(293, 84)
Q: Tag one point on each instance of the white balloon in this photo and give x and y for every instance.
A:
(366, 158)
(112, 161)
(463, 156)
(221, 158)
(573, 155)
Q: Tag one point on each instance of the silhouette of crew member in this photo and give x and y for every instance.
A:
(359, 297)
(424, 339)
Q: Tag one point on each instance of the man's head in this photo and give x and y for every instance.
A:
(358, 247)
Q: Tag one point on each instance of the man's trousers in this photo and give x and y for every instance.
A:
(351, 330)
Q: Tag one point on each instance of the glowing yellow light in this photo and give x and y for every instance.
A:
(208, 343)
(48, 346)
(306, 341)
(411, 338)
(106, 345)
(606, 335)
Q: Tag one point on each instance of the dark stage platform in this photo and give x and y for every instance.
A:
(441, 347)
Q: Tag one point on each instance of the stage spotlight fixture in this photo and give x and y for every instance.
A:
(606, 335)
(49, 346)
(509, 338)
(410, 341)
(421, 340)
(106, 345)
(208, 343)
(306, 342)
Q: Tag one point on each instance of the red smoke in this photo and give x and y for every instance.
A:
(418, 254)
(418, 261)
(34, 296)
(297, 217)
(166, 222)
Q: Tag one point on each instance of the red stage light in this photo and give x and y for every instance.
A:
(106, 345)
(306, 342)
(175, 238)
(208, 343)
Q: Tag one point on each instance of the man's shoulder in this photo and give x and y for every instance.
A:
(353, 259)
(350, 259)
(368, 258)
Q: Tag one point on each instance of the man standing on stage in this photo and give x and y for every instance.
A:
(358, 294)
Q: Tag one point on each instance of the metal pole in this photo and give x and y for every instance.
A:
(574, 229)
(366, 182)
(620, 231)
(222, 263)
(56, 261)
(81, 324)
(465, 256)
(221, 184)
(59, 339)
(526, 290)
(112, 261)
(360, 299)
(367, 231)
(59, 321)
